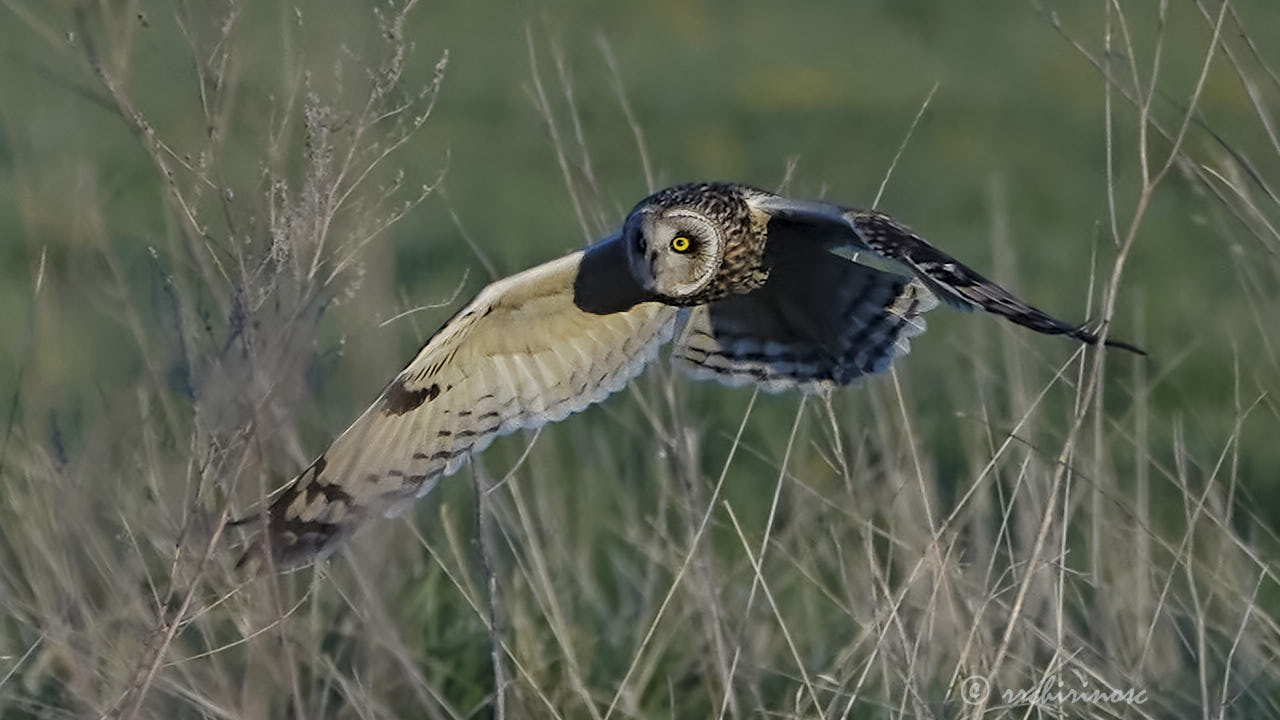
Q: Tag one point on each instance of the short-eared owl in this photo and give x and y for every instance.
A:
(745, 281)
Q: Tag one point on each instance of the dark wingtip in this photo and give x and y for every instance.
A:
(1126, 346)
(251, 558)
(246, 520)
(1090, 338)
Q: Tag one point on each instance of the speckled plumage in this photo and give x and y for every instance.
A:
(745, 280)
(741, 260)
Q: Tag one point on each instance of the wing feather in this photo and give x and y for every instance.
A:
(819, 321)
(529, 349)
(955, 283)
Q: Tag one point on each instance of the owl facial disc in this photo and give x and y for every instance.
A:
(672, 252)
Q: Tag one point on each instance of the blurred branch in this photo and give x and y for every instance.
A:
(1150, 121)
(637, 132)
(1091, 392)
(484, 530)
(162, 635)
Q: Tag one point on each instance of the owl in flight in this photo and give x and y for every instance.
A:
(747, 282)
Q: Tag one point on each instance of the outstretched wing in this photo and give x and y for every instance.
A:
(819, 321)
(530, 349)
(955, 283)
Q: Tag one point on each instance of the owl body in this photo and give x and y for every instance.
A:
(743, 280)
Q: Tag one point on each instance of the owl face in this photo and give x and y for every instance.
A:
(696, 243)
(673, 252)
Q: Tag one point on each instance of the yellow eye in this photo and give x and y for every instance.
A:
(680, 244)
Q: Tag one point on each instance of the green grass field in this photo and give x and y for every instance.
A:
(225, 224)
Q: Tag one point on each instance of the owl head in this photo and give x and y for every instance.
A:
(690, 244)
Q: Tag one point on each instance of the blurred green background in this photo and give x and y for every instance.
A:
(1013, 142)
(113, 337)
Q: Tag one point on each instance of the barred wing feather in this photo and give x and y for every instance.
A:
(819, 321)
(530, 349)
(951, 280)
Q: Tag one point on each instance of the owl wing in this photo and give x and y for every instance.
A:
(878, 233)
(819, 321)
(529, 349)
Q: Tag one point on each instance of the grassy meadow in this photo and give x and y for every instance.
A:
(224, 224)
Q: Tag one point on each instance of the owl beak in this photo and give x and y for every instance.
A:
(648, 229)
